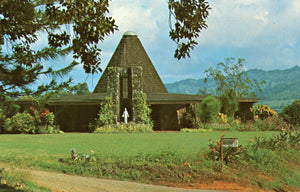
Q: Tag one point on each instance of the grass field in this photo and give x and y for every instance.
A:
(115, 144)
(157, 158)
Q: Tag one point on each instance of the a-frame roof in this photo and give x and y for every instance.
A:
(130, 52)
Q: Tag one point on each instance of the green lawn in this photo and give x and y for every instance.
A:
(170, 157)
(114, 144)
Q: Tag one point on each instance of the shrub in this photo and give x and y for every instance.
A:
(283, 140)
(274, 123)
(261, 111)
(11, 110)
(141, 109)
(125, 128)
(221, 118)
(32, 122)
(207, 109)
(248, 126)
(20, 123)
(106, 114)
(291, 113)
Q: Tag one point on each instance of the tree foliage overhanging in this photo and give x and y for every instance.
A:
(72, 27)
(190, 19)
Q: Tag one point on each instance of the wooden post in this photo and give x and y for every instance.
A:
(221, 154)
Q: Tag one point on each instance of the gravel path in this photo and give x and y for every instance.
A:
(59, 182)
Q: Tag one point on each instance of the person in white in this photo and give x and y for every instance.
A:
(125, 115)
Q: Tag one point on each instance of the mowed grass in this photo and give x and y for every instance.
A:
(59, 145)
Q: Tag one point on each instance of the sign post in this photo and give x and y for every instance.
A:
(227, 142)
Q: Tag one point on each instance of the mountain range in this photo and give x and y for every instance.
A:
(282, 86)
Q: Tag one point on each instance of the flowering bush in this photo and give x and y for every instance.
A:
(222, 118)
(261, 111)
(32, 121)
(20, 123)
(46, 117)
(274, 123)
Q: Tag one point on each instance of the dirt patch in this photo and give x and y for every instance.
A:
(217, 186)
(59, 182)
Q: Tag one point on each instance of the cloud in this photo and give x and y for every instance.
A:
(247, 23)
(142, 17)
(264, 32)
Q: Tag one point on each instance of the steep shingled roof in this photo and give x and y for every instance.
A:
(130, 52)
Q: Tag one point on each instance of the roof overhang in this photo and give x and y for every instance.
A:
(173, 98)
(87, 99)
(152, 99)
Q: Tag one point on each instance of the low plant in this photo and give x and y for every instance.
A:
(270, 157)
(284, 140)
(230, 154)
(83, 157)
(166, 165)
(18, 180)
(220, 127)
(188, 130)
(125, 128)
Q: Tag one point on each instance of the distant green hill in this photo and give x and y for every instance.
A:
(281, 88)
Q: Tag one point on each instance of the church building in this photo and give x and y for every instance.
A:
(130, 69)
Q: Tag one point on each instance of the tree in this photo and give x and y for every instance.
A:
(190, 18)
(291, 113)
(72, 27)
(231, 83)
(207, 109)
(21, 23)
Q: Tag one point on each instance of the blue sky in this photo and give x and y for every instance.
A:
(266, 33)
